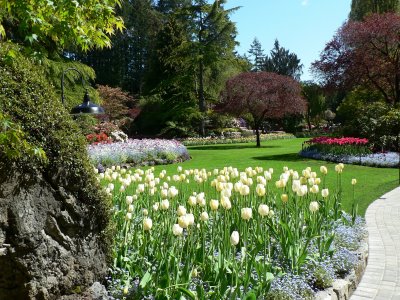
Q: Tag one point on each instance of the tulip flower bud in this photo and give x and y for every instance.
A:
(284, 198)
(164, 204)
(226, 203)
(245, 190)
(263, 210)
(156, 206)
(128, 200)
(260, 189)
(314, 189)
(354, 181)
(325, 193)
(234, 238)
(181, 210)
(214, 204)
(190, 219)
(147, 224)
(314, 206)
(177, 230)
(246, 213)
(323, 170)
(204, 216)
(183, 221)
(192, 201)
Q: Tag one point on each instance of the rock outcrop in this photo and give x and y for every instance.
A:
(49, 244)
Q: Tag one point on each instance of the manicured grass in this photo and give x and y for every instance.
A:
(371, 182)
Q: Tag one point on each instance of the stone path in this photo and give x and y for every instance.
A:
(381, 280)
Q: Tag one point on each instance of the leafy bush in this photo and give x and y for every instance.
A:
(29, 101)
(167, 118)
(377, 121)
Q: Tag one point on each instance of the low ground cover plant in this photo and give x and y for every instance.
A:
(228, 233)
(197, 141)
(137, 152)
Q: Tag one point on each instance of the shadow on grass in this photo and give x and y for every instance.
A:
(231, 147)
(282, 157)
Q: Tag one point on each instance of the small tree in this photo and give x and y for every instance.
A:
(312, 92)
(262, 95)
(257, 54)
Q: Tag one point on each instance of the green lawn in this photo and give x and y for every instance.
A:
(371, 182)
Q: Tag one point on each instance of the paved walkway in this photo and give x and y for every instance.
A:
(381, 280)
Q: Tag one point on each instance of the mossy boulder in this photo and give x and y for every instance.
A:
(54, 219)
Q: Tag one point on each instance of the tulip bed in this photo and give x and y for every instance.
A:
(229, 233)
(338, 146)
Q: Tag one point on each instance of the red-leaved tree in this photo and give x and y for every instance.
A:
(262, 94)
(364, 54)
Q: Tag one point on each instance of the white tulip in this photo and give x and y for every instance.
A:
(190, 218)
(204, 216)
(260, 189)
(314, 206)
(181, 210)
(263, 210)
(147, 224)
(234, 238)
(214, 204)
(325, 193)
(192, 201)
(177, 230)
(183, 221)
(323, 170)
(314, 189)
(246, 213)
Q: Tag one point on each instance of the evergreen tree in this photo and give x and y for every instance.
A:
(361, 8)
(282, 62)
(126, 63)
(257, 54)
(194, 49)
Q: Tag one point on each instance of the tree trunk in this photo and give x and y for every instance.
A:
(202, 101)
(308, 118)
(258, 137)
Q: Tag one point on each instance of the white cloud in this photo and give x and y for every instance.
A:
(304, 2)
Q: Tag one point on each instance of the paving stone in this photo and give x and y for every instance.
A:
(381, 280)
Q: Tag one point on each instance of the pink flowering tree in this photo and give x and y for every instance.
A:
(262, 95)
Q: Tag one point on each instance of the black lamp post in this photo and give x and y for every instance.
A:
(86, 107)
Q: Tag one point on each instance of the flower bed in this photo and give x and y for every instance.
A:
(338, 146)
(138, 152)
(383, 160)
(228, 234)
(228, 140)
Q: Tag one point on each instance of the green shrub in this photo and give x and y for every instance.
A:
(28, 99)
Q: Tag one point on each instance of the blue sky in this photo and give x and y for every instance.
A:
(302, 26)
